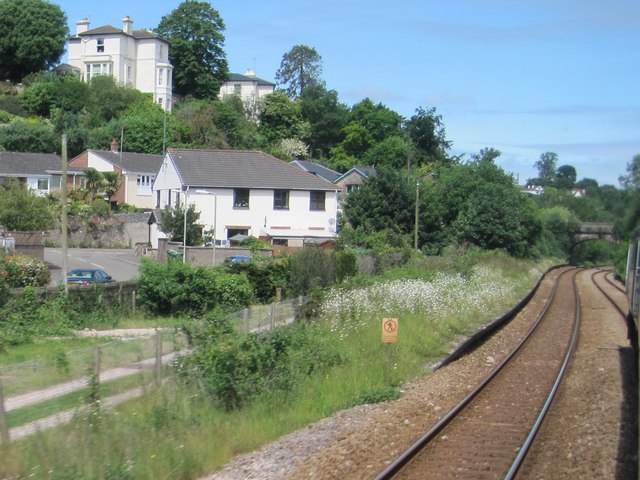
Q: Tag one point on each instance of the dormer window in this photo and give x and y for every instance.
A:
(101, 45)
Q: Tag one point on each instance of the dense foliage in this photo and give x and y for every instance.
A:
(33, 34)
(195, 32)
(24, 271)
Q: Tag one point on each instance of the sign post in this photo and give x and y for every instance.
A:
(389, 337)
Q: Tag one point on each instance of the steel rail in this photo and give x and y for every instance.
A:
(401, 461)
(524, 449)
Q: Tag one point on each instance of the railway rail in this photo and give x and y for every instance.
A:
(488, 434)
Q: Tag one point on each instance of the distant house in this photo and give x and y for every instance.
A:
(41, 172)
(249, 193)
(137, 170)
(135, 58)
(249, 88)
(352, 179)
(533, 189)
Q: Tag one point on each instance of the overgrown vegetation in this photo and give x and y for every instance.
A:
(237, 392)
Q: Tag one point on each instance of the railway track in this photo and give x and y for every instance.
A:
(489, 432)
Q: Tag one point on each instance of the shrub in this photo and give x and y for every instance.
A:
(265, 276)
(312, 268)
(24, 271)
(180, 289)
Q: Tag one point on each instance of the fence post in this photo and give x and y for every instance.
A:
(273, 315)
(133, 301)
(158, 357)
(4, 422)
(96, 363)
(246, 320)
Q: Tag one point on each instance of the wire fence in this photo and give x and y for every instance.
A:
(41, 393)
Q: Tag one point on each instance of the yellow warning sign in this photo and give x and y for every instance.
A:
(389, 330)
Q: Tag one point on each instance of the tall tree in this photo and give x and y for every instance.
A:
(194, 31)
(546, 167)
(300, 69)
(427, 136)
(565, 177)
(33, 34)
(632, 179)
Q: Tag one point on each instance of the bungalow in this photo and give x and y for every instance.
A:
(137, 170)
(248, 193)
(41, 172)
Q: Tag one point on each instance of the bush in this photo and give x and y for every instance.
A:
(312, 268)
(265, 276)
(24, 271)
(180, 289)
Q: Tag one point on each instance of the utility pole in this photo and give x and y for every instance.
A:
(415, 229)
(64, 220)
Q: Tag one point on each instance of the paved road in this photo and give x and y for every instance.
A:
(121, 264)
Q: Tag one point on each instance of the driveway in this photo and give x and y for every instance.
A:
(121, 264)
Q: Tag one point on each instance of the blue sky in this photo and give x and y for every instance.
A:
(524, 77)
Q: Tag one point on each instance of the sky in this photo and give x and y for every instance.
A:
(521, 76)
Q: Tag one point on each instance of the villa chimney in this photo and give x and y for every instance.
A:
(127, 25)
(250, 72)
(115, 147)
(82, 26)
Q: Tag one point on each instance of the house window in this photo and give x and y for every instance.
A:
(144, 183)
(281, 199)
(94, 69)
(43, 184)
(317, 201)
(283, 242)
(160, 75)
(101, 45)
(241, 198)
(237, 89)
(352, 188)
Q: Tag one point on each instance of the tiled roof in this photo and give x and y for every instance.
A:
(241, 169)
(132, 162)
(237, 77)
(23, 163)
(317, 169)
(109, 30)
(363, 171)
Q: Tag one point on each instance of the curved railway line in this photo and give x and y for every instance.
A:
(488, 434)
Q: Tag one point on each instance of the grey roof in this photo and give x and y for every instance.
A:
(237, 77)
(362, 170)
(23, 164)
(317, 169)
(132, 162)
(241, 169)
(109, 30)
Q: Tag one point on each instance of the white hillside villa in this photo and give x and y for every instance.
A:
(249, 88)
(136, 58)
(249, 193)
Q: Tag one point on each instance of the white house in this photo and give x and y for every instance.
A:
(249, 88)
(40, 172)
(136, 58)
(248, 193)
(137, 172)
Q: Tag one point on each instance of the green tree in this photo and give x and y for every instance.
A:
(47, 91)
(326, 116)
(427, 136)
(22, 210)
(172, 223)
(281, 118)
(29, 137)
(384, 201)
(112, 181)
(632, 178)
(33, 34)
(108, 100)
(546, 167)
(93, 182)
(194, 31)
(301, 68)
(565, 177)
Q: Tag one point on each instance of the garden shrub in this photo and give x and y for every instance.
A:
(180, 289)
(265, 276)
(24, 271)
(311, 268)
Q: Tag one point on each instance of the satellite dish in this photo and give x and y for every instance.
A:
(332, 221)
